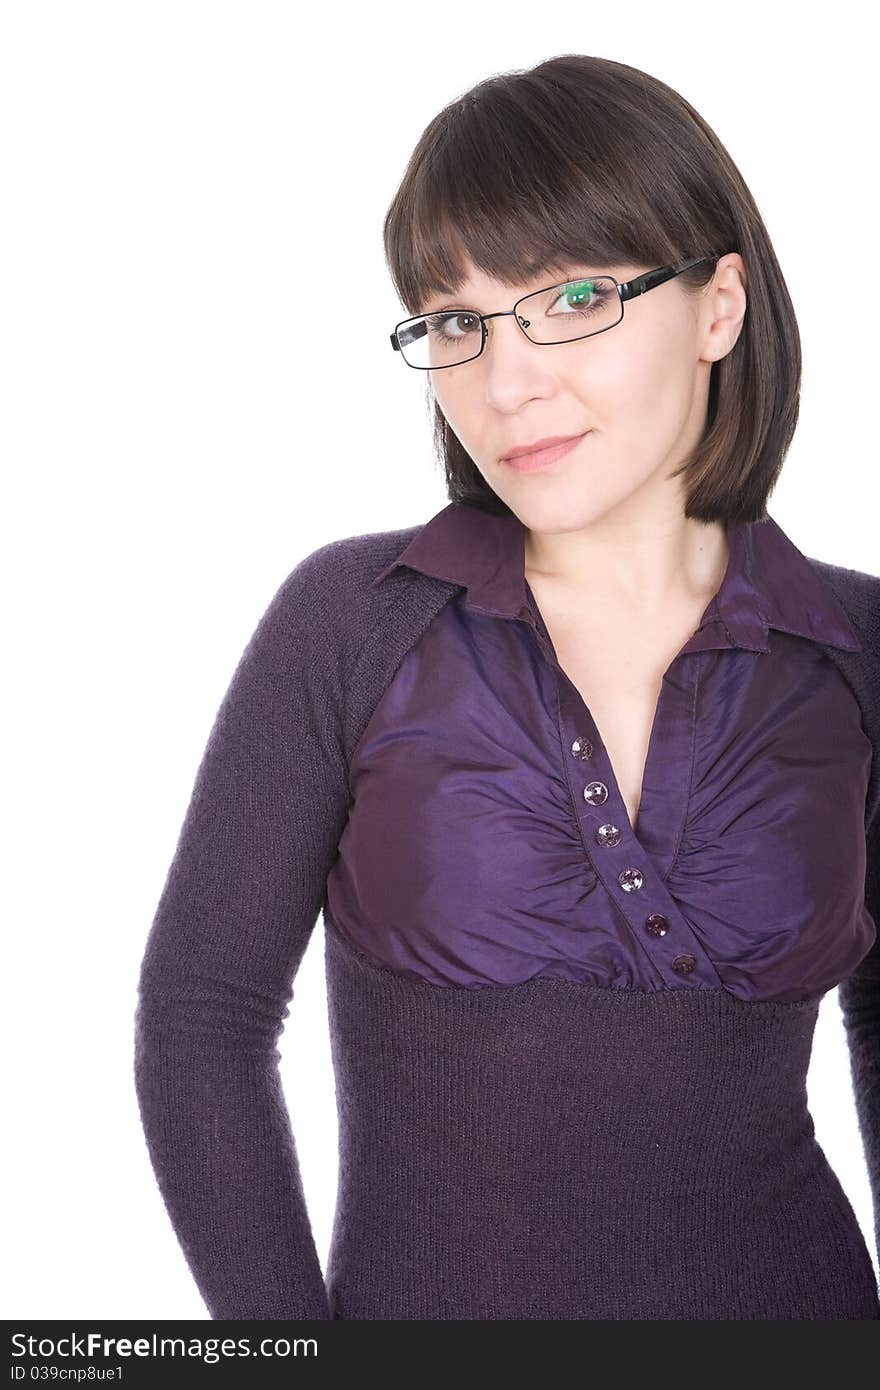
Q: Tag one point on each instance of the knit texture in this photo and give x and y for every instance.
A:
(241, 898)
(555, 1150)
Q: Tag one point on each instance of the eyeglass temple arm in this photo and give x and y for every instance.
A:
(409, 335)
(652, 278)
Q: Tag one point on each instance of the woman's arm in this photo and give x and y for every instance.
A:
(859, 998)
(239, 904)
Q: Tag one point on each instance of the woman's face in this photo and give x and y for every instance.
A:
(637, 392)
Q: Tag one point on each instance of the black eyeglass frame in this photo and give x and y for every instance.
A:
(630, 289)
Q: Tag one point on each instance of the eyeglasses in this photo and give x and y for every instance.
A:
(561, 314)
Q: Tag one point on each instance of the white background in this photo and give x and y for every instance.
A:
(186, 189)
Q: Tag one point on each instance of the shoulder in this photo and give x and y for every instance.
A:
(859, 593)
(331, 587)
(311, 646)
(353, 561)
(352, 631)
(857, 580)
(329, 614)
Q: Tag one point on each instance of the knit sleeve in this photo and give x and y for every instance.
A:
(241, 898)
(859, 998)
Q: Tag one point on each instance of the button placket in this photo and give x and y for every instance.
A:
(627, 869)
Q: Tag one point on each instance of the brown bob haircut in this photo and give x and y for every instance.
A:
(589, 160)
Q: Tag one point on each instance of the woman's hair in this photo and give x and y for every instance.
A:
(586, 159)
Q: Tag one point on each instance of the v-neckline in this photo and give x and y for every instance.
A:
(667, 770)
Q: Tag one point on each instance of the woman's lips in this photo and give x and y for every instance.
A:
(532, 463)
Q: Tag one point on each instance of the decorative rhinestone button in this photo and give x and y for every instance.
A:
(608, 835)
(630, 879)
(657, 924)
(683, 965)
(595, 793)
(581, 747)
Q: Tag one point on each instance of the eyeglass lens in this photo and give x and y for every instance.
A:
(576, 309)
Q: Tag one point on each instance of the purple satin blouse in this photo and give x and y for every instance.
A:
(487, 841)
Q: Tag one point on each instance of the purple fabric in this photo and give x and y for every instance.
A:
(470, 856)
(546, 1148)
(551, 1150)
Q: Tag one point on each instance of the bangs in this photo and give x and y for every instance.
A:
(528, 178)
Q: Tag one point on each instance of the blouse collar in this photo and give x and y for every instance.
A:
(768, 581)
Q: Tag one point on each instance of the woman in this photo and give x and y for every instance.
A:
(581, 772)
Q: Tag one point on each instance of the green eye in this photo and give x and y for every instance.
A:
(579, 291)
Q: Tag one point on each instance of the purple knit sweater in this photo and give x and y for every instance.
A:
(543, 1149)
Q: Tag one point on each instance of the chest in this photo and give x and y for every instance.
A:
(617, 664)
